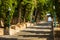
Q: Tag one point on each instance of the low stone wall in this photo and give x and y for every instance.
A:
(18, 27)
(14, 29)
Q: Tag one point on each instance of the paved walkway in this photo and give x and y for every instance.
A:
(41, 31)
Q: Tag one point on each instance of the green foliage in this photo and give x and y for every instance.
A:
(27, 8)
(4, 10)
(45, 6)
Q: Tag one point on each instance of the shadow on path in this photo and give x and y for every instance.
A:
(44, 24)
(8, 38)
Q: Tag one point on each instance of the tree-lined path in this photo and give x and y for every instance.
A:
(15, 15)
(42, 31)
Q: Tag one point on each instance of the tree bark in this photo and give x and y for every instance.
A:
(19, 19)
(6, 28)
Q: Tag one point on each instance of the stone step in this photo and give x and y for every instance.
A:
(37, 30)
(36, 38)
(23, 38)
(44, 24)
(40, 27)
(16, 38)
(20, 38)
(41, 35)
(28, 34)
(26, 38)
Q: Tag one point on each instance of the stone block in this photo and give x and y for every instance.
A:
(12, 30)
(1, 31)
(32, 24)
(28, 24)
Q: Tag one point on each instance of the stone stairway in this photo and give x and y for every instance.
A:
(38, 32)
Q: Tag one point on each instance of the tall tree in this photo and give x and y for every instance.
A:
(57, 9)
(7, 10)
(27, 8)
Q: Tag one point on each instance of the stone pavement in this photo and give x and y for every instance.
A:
(40, 31)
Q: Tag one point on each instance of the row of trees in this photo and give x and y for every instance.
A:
(24, 9)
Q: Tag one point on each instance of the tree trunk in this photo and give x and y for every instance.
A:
(6, 28)
(19, 19)
(1, 23)
(35, 14)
